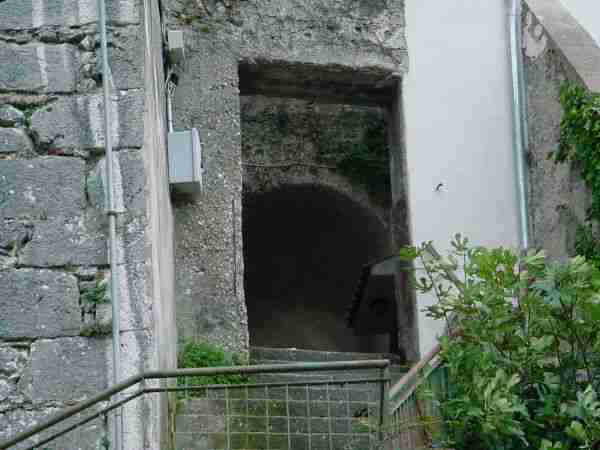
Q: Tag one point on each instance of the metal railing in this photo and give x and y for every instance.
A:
(415, 419)
(333, 405)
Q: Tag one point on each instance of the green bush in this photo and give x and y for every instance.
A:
(579, 145)
(579, 141)
(200, 354)
(523, 365)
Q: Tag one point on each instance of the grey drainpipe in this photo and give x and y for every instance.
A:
(519, 117)
(170, 88)
(112, 223)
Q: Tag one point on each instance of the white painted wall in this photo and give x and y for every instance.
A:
(459, 130)
(587, 13)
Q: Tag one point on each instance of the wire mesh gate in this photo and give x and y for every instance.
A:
(318, 406)
(294, 415)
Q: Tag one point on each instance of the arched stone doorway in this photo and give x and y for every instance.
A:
(304, 247)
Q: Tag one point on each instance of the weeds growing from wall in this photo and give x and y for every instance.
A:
(366, 162)
(91, 297)
(201, 354)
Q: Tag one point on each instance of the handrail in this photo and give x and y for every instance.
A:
(163, 374)
(70, 412)
(414, 372)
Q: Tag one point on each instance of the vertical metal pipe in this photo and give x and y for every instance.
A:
(169, 109)
(170, 87)
(112, 225)
(383, 402)
(519, 118)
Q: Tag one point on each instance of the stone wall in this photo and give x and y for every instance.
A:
(351, 52)
(556, 49)
(55, 347)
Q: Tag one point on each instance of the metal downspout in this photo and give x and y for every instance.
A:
(112, 219)
(170, 87)
(519, 117)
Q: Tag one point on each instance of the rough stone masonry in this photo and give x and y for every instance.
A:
(55, 348)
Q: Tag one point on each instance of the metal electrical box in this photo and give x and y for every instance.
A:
(185, 161)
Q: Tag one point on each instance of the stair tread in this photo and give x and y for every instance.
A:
(301, 355)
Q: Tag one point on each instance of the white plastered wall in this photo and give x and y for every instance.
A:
(459, 133)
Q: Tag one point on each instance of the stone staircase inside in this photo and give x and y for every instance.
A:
(289, 417)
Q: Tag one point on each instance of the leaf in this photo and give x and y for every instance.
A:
(576, 431)
(542, 344)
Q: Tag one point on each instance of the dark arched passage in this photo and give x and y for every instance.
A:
(304, 247)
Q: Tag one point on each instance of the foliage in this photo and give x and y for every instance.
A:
(96, 329)
(587, 243)
(201, 354)
(523, 362)
(351, 142)
(579, 144)
(91, 297)
(366, 161)
(580, 138)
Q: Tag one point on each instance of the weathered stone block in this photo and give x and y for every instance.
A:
(78, 122)
(12, 361)
(36, 303)
(11, 116)
(87, 437)
(13, 140)
(133, 180)
(65, 369)
(14, 235)
(39, 67)
(131, 120)
(67, 241)
(127, 58)
(128, 182)
(17, 421)
(42, 187)
(326, 32)
(7, 389)
(18, 14)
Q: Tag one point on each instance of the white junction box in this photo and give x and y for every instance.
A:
(185, 161)
(176, 46)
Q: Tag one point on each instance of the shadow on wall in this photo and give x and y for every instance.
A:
(304, 247)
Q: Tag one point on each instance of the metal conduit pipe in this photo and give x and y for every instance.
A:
(112, 220)
(170, 87)
(519, 117)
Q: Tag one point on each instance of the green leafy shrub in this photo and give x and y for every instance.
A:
(579, 145)
(580, 138)
(523, 365)
(200, 354)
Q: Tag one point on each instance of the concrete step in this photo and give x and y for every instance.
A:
(263, 354)
(336, 375)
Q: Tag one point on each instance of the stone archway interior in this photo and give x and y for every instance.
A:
(304, 247)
